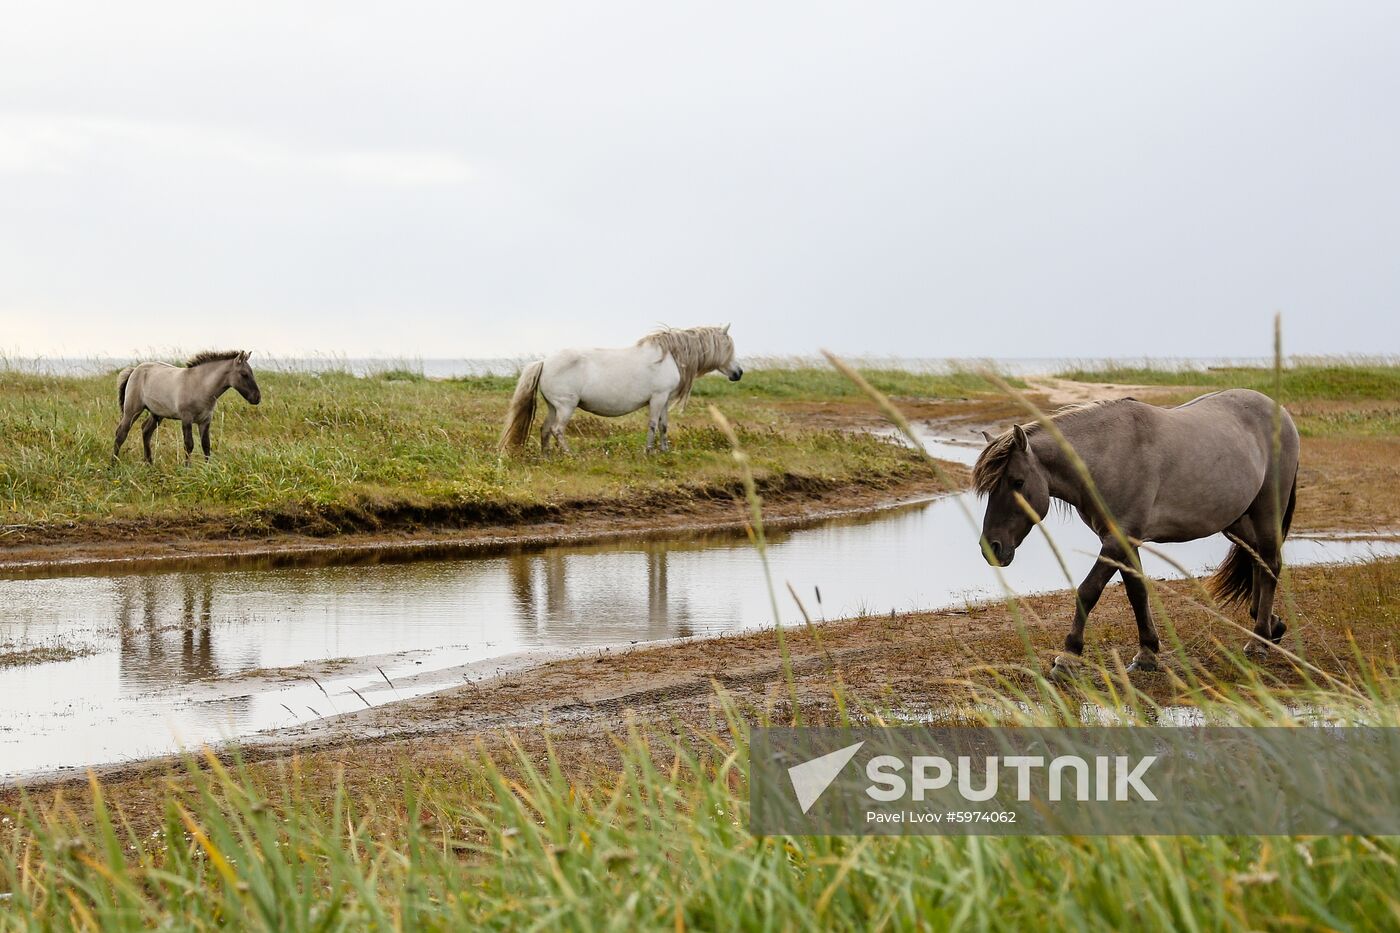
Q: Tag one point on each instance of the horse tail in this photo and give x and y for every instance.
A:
(1292, 501)
(1233, 581)
(125, 377)
(522, 408)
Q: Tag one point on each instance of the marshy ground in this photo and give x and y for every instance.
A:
(808, 435)
(586, 718)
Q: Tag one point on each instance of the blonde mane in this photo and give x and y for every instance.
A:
(696, 350)
(211, 356)
(992, 462)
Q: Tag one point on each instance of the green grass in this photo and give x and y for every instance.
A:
(827, 384)
(517, 840)
(1300, 381)
(1327, 399)
(334, 452)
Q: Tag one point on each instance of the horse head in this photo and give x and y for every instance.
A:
(1012, 478)
(730, 367)
(241, 378)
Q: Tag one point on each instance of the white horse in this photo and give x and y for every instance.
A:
(656, 372)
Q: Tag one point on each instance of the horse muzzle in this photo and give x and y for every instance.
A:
(997, 555)
(736, 375)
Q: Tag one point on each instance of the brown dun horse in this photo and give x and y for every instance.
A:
(1177, 474)
(187, 393)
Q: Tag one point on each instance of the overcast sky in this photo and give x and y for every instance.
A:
(925, 179)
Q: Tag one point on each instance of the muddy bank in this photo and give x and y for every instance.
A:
(789, 502)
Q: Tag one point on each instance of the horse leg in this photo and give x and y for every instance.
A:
(123, 429)
(1148, 642)
(1258, 531)
(188, 428)
(1266, 624)
(148, 431)
(1254, 591)
(656, 421)
(1086, 598)
(204, 438)
(547, 428)
(561, 421)
(665, 429)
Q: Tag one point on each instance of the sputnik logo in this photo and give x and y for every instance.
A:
(811, 778)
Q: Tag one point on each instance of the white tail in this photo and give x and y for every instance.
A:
(522, 408)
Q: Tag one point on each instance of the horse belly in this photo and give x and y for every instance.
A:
(609, 403)
(623, 384)
(1197, 503)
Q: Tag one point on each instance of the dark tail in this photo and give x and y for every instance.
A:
(1233, 582)
(522, 408)
(125, 377)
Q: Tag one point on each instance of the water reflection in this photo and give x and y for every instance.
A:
(553, 595)
(146, 650)
(169, 646)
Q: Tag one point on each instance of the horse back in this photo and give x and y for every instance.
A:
(155, 386)
(1211, 457)
(1233, 418)
(1175, 474)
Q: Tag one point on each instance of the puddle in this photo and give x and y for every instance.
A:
(1090, 714)
(959, 446)
(167, 657)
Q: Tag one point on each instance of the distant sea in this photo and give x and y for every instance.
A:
(504, 366)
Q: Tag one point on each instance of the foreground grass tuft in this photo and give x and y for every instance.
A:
(512, 840)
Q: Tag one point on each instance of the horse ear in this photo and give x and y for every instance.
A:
(726, 328)
(1022, 442)
(244, 355)
(987, 436)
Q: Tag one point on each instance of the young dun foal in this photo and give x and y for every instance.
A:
(1213, 464)
(656, 372)
(185, 392)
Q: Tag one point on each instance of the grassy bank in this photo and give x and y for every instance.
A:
(333, 452)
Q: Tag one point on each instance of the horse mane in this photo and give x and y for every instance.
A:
(996, 456)
(696, 350)
(211, 356)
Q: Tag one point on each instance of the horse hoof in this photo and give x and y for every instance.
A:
(1064, 670)
(1146, 661)
(1254, 648)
